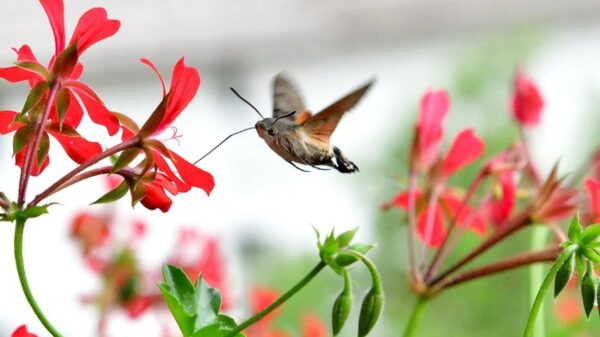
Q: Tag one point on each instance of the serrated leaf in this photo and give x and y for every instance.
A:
(590, 234)
(63, 100)
(36, 94)
(575, 229)
(563, 275)
(345, 238)
(114, 195)
(588, 289)
(194, 307)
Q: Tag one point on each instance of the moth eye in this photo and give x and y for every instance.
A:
(271, 132)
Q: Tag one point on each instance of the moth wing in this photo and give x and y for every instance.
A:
(322, 125)
(286, 97)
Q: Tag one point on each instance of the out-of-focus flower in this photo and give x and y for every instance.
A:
(554, 202)
(90, 230)
(154, 185)
(526, 101)
(22, 332)
(312, 326)
(500, 205)
(60, 84)
(199, 254)
(429, 129)
(593, 188)
(596, 164)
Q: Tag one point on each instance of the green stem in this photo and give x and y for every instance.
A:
(18, 245)
(415, 316)
(279, 301)
(539, 299)
(536, 276)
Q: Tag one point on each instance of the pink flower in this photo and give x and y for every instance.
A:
(526, 102)
(466, 148)
(499, 208)
(429, 129)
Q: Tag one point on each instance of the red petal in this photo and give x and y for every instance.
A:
(22, 332)
(164, 167)
(465, 149)
(499, 210)
(467, 217)
(527, 102)
(98, 113)
(55, 11)
(192, 174)
(593, 187)
(77, 148)
(17, 74)
(156, 197)
(184, 85)
(35, 171)
(93, 26)
(401, 200)
(137, 305)
(7, 123)
(434, 109)
(155, 70)
(438, 231)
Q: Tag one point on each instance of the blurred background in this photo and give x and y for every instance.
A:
(262, 209)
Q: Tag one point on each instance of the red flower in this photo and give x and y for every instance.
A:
(593, 188)
(184, 85)
(465, 149)
(62, 72)
(312, 326)
(527, 102)
(91, 231)
(499, 208)
(22, 332)
(429, 129)
(446, 209)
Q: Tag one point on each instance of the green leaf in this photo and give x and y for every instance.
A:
(36, 94)
(575, 229)
(65, 62)
(588, 289)
(563, 275)
(345, 238)
(114, 195)
(34, 211)
(194, 307)
(63, 100)
(590, 234)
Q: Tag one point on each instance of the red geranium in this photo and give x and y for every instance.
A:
(526, 102)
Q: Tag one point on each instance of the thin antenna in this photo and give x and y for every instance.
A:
(223, 141)
(246, 101)
(283, 116)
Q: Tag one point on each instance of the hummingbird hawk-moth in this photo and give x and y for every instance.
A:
(298, 136)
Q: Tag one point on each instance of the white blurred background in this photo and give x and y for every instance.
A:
(329, 47)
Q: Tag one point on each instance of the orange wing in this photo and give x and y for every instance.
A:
(322, 125)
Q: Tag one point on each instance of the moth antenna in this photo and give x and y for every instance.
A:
(221, 143)
(246, 101)
(283, 116)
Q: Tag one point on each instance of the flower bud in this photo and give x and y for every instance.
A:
(370, 311)
(341, 310)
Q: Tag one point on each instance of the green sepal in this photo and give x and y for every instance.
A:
(155, 118)
(346, 237)
(591, 254)
(33, 211)
(125, 158)
(563, 275)
(43, 149)
(575, 229)
(21, 138)
(590, 234)
(34, 67)
(36, 94)
(588, 289)
(65, 62)
(114, 195)
(63, 100)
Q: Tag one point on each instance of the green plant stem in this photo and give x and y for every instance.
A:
(539, 299)
(18, 245)
(415, 316)
(250, 321)
(536, 276)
